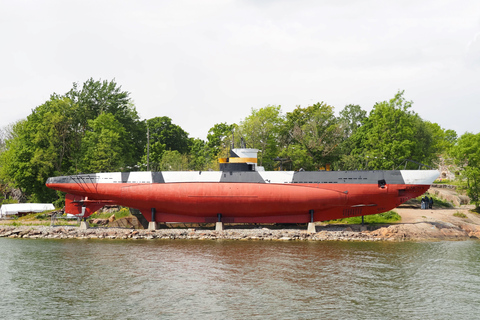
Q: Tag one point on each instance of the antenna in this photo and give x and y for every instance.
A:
(148, 148)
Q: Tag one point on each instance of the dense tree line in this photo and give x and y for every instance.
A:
(96, 128)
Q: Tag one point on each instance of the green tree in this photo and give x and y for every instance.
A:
(198, 157)
(53, 128)
(15, 168)
(172, 160)
(441, 140)
(351, 118)
(391, 134)
(261, 130)
(312, 131)
(4, 136)
(218, 138)
(154, 155)
(39, 147)
(49, 142)
(171, 135)
(467, 155)
(97, 97)
(102, 146)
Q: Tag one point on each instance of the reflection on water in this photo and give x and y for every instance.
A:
(78, 279)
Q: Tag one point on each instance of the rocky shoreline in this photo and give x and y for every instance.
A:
(422, 231)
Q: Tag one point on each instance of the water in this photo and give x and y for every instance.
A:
(184, 279)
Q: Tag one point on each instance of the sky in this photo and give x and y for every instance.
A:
(212, 61)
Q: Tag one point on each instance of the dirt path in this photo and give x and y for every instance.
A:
(411, 214)
(431, 224)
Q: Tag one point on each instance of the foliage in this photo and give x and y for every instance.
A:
(25, 164)
(8, 201)
(199, 157)
(460, 215)
(162, 130)
(102, 146)
(261, 131)
(97, 97)
(467, 155)
(393, 133)
(173, 161)
(388, 134)
(88, 129)
(446, 181)
(165, 136)
(154, 154)
(218, 138)
(314, 131)
(351, 118)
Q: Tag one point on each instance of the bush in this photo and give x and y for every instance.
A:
(460, 215)
(8, 201)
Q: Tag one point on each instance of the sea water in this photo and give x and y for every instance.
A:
(190, 279)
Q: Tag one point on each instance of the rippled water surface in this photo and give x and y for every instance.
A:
(180, 279)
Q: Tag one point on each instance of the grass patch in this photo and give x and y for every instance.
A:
(123, 212)
(446, 181)
(34, 217)
(379, 218)
(460, 215)
(39, 223)
(37, 219)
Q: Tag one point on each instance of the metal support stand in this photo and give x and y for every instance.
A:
(363, 227)
(152, 225)
(311, 225)
(219, 224)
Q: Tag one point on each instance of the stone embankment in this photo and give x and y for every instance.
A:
(428, 230)
(449, 193)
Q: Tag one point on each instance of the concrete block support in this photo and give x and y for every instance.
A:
(219, 226)
(84, 225)
(152, 225)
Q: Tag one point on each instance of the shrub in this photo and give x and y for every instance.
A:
(460, 215)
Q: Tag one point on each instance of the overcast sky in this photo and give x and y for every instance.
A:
(206, 62)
